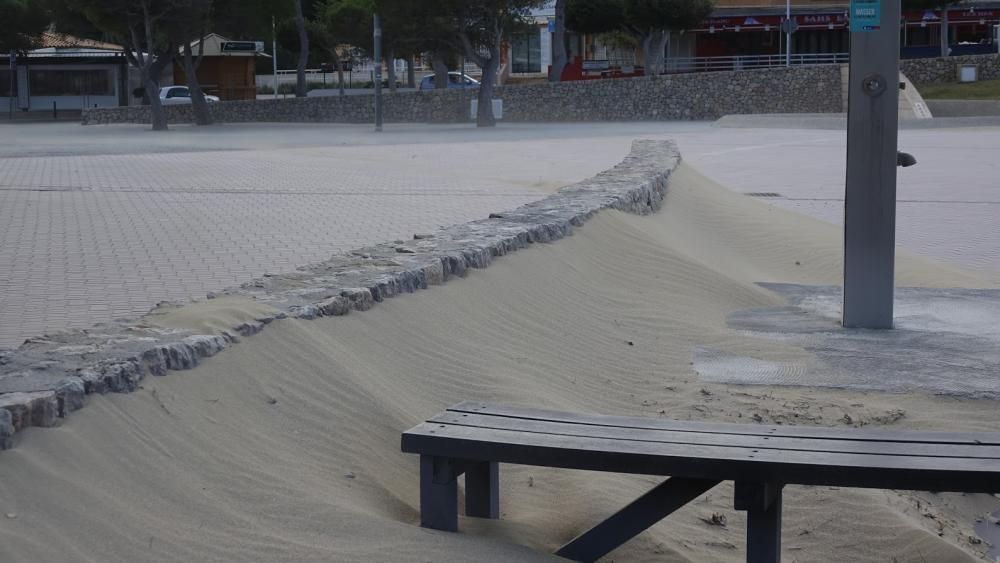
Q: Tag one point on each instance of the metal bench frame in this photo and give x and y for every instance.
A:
(472, 439)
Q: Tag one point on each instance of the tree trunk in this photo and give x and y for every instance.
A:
(945, 51)
(440, 72)
(199, 105)
(151, 71)
(411, 73)
(340, 72)
(647, 54)
(559, 57)
(661, 51)
(156, 112)
(484, 114)
(390, 60)
(301, 88)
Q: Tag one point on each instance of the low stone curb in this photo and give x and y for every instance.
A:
(47, 378)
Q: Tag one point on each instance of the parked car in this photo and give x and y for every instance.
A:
(455, 80)
(179, 95)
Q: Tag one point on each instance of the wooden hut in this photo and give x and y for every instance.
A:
(227, 68)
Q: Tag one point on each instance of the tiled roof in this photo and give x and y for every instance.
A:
(51, 40)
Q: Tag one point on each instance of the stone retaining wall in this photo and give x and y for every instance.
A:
(943, 70)
(710, 95)
(47, 378)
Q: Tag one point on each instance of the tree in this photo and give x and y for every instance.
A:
(940, 5)
(146, 29)
(301, 88)
(412, 28)
(192, 26)
(22, 21)
(481, 26)
(342, 22)
(559, 57)
(595, 16)
(249, 19)
(649, 22)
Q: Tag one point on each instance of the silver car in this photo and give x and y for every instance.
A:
(455, 80)
(179, 95)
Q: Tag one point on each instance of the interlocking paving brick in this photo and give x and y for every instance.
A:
(104, 222)
(90, 237)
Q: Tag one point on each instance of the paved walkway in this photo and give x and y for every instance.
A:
(104, 222)
(109, 221)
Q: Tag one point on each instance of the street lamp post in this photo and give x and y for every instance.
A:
(788, 33)
(274, 52)
(378, 73)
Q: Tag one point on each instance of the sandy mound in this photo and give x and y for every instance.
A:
(286, 448)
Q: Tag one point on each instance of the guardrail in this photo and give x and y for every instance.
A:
(742, 62)
(361, 73)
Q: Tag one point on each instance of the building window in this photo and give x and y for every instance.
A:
(4, 83)
(71, 82)
(526, 53)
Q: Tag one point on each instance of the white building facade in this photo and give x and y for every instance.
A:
(65, 73)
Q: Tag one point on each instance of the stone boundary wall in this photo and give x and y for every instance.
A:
(943, 70)
(709, 95)
(47, 378)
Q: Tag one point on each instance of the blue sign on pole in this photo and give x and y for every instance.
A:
(866, 15)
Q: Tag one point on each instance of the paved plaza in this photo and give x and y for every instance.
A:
(104, 222)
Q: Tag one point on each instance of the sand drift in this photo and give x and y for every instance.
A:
(285, 446)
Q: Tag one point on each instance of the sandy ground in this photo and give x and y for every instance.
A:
(286, 448)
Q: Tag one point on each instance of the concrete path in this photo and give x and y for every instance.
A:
(104, 222)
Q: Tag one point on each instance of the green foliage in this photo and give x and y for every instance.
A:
(636, 17)
(249, 19)
(982, 90)
(20, 21)
(339, 22)
(666, 14)
(595, 16)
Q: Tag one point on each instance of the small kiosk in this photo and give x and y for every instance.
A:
(227, 68)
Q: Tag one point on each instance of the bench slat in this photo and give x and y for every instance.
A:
(705, 462)
(916, 449)
(815, 432)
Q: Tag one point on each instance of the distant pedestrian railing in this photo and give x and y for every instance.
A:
(744, 62)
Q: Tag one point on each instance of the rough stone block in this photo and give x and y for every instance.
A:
(31, 409)
(336, 306)
(6, 429)
(71, 395)
(360, 298)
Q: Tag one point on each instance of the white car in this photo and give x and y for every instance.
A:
(179, 95)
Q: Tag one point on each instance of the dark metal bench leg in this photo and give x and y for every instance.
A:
(482, 490)
(639, 515)
(762, 501)
(438, 493)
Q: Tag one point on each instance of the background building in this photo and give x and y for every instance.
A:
(66, 72)
(227, 68)
(747, 33)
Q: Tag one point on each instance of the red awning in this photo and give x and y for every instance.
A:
(772, 22)
(839, 20)
(955, 15)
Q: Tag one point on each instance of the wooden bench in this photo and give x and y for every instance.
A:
(472, 438)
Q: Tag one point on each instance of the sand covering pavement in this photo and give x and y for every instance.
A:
(286, 447)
